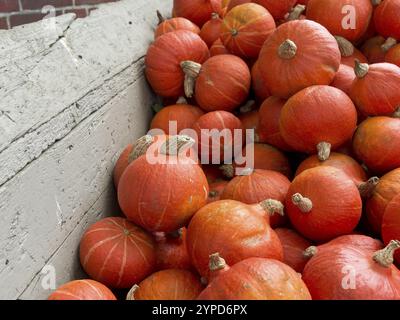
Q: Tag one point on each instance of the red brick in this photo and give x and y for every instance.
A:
(80, 13)
(18, 19)
(9, 5)
(39, 4)
(80, 2)
(3, 23)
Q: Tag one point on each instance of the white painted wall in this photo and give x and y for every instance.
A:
(70, 98)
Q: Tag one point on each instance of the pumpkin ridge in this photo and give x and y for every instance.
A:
(123, 264)
(97, 245)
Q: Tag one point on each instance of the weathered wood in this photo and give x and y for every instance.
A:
(69, 101)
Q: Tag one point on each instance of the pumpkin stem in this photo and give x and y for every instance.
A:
(234, 32)
(304, 204)
(310, 252)
(160, 17)
(140, 147)
(176, 144)
(273, 206)
(396, 114)
(131, 293)
(376, 2)
(216, 262)
(389, 43)
(214, 16)
(247, 107)
(213, 194)
(181, 100)
(385, 256)
(287, 50)
(361, 69)
(296, 12)
(324, 150)
(367, 188)
(191, 70)
(177, 234)
(345, 46)
(228, 171)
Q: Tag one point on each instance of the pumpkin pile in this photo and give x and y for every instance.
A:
(317, 213)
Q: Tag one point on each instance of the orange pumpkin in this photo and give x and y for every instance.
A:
(117, 253)
(344, 78)
(264, 157)
(254, 279)
(197, 11)
(391, 223)
(377, 143)
(216, 190)
(376, 90)
(250, 121)
(235, 3)
(385, 191)
(184, 114)
(332, 15)
(211, 30)
(237, 230)
(386, 18)
(393, 55)
(258, 84)
(217, 149)
(164, 57)
(121, 164)
(278, 9)
(221, 83)
(82, 290)
(257, 186)
(323, 203)
(373, 51)
(349, 52)
(174, 24)
(302, 50)
(245, 28)
(218, 48)
(171, 284)
(317, 119)
(164, 193)
(269, 115)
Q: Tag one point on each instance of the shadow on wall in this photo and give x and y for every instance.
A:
(17, 12)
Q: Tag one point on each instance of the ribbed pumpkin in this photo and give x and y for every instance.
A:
(386, 18)
(164, 193)
(278, 9)
(250, 121)
(344, 78)
(317, 119)
(164, 57)
(377, 143)
(254, 279)
(183, 114)
(237, 230)
(82, 290)
(393, 55)
(221, 83)
(216, 190)
(376, 90)
(269, 115)
(264, 157)
(117, 253)
(214, 148)
(218, 48)
(373, 51)
(171, 251)
(391, 224)
(386, 190)
(121, 164)
(211, 30)
(171, 284)
(323, 203)
(348, 272)
(259, 86)
(293, 248)
(257, 186)
(235, 3)
(245, 28)
(333, 15)
(302, 50)
(174, 24)
(197, 11)
(349, 166)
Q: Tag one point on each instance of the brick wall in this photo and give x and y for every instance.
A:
(17, 12)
